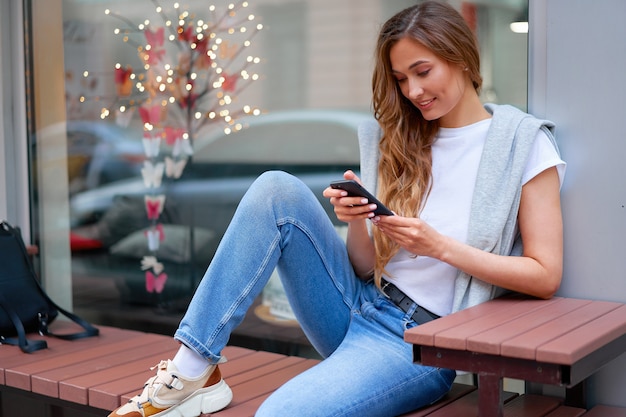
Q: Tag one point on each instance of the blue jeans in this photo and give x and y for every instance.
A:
(368, 368)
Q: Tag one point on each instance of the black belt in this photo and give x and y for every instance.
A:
(420, 316)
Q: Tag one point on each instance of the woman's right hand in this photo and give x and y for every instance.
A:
(354, 211)
(348, 209)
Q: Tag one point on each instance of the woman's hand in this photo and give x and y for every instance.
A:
(412, 234)
(355, 212)
(348, 209)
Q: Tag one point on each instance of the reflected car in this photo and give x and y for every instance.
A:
(100, 153)
(315, 142)
(317, 146)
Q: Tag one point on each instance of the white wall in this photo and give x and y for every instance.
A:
(577, 79)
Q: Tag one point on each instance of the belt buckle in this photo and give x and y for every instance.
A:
(384, 286)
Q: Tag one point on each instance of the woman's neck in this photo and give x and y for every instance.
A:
(468, 111)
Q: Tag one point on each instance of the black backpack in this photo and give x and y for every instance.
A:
(24, 305)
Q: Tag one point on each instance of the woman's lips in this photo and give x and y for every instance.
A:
(425, 104)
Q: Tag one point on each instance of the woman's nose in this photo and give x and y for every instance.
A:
(415, 89)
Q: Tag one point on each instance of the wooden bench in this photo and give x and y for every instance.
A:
(89, 377)
(560, 341)
(95, 375)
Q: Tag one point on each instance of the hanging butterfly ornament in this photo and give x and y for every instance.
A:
(187, 79)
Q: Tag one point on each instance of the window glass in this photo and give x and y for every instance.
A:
(156, 169)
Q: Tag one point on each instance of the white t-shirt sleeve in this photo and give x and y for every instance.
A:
(542, 156)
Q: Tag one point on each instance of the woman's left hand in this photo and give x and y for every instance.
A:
(412, 234)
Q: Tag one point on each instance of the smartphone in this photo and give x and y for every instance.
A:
(355, 189)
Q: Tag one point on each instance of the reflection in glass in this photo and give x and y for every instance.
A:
(314, 89)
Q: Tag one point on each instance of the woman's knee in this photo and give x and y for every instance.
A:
(279, 187)
(277, 182)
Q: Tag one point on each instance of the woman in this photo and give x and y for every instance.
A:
(466, 183)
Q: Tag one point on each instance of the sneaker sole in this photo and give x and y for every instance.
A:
(205, 400)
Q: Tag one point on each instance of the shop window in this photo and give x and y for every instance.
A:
(314, 69)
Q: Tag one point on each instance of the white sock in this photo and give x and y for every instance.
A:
(189, 363)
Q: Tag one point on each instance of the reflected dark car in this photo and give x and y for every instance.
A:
(109, 223)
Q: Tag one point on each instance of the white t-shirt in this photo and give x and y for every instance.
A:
(456, 155)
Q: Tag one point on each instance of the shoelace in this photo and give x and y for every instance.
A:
(163, 377)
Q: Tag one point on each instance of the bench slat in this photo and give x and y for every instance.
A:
(489, 341)
(456, 337)
(605, 411)
(424, 334)
(565, 411)
(87, 364)
(529, 405)
(259, 371)
(265, 384)
(525, 346)
(456, 391)
(583, 340)
(77, 389)
(244, 409)
(58, 350)
(466, 406)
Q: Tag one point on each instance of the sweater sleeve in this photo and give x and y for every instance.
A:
(369, 136)
(495, 204)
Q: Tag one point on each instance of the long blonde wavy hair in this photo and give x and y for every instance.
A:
(405, 166)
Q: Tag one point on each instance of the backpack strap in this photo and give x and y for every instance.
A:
(27, 346)
(89, 329)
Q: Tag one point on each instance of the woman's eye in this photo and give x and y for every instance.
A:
(423, 73)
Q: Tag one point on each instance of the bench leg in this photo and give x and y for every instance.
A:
(490, 398)
(576, 396)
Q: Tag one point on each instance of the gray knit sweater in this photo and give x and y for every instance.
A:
(493, 218)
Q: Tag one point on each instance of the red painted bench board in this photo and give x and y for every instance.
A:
(606, 411)
(585, 339)
(527, 345)
(466, 406)
(490, 341)
(457, 391)
(459, 320)
(565, 411)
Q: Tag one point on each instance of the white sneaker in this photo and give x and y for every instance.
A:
(168, 394)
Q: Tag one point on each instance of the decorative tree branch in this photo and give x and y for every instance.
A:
(184, 85)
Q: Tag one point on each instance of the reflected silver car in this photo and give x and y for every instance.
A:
(101, 152)
(315, 145)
